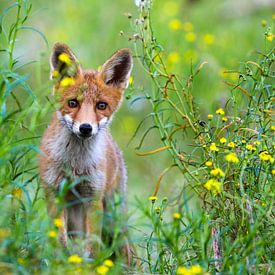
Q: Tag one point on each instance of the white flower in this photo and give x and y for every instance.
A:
(141, 3)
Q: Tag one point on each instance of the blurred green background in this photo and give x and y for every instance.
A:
(223, 33)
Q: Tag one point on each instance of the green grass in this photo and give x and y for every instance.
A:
(168, 104)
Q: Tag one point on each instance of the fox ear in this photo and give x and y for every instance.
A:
(63, 62)
(116, 70)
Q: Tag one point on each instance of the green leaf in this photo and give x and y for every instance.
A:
(144, 135)
(137, 99)
(37, 31)
(3, 109)
(20, 81)
(4, 13)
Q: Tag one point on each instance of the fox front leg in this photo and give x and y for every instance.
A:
(93, 222)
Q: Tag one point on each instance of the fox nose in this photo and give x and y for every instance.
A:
(85, 129)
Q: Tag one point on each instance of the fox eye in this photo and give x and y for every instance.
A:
(73, 103)
(101, 105)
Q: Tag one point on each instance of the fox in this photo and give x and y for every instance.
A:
(77, 147)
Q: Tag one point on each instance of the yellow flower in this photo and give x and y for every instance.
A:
(183, 271)
(196, 270)
(108, 263)
(55, 74)
(223, 140)
(269, 36)
(187, 26)
(273, 172)
(209, 39)
(210, 116)
(213, 185)
(75, 259)
(231, 144)
(52, 234)
(67, 81)
(224, 119)
(173, 57)
(249, 147)
(102, 269)
(220, 111)
(265, 156)
(222, 73)
(213, 147)
(209, 163)
(217, 172)
(157, 210)
(17, 193)
(232, 157)
(243, 141)
(58, 223)
(131, 80)
(65, 59)
(264, 23)
(257, 142)
(273, 127)
(176, 216)
(175, 24)
(153, 199)
(193, 270)
(190, 37)
(234, 76)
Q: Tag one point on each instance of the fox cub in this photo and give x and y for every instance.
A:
(78, 149)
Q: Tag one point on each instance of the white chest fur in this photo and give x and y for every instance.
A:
(75, 158)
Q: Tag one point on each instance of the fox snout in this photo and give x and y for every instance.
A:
(83, 129)
(86, 129)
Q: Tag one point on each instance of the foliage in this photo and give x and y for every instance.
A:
(228, 166)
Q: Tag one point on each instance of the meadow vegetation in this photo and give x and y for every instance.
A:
(200, 113)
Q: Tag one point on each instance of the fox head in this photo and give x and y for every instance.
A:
(88, 98)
